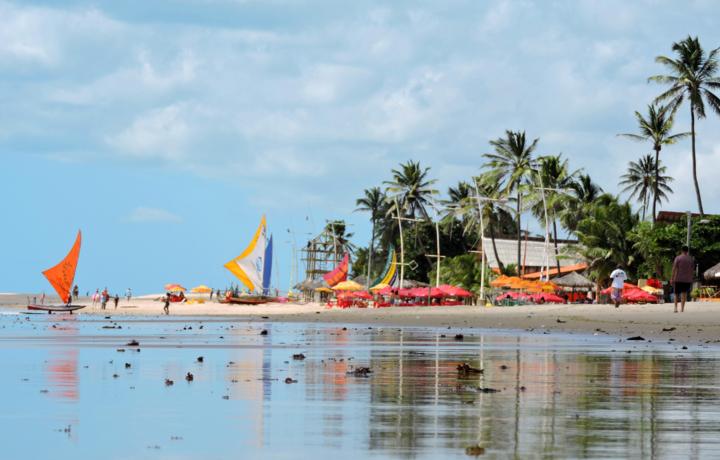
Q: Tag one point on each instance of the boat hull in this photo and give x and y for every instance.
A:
(248, 300)
(56, 308)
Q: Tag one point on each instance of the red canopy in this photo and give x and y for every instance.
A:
(405, 292)
(424, 292)
(387, 290)
(632, 293)
(355, 295)
(454, 291)
(547, 297)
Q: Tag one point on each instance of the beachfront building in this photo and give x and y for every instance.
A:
(532, 256)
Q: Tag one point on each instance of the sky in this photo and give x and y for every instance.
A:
(165, 129)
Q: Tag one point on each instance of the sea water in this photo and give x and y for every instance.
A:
(71, 387)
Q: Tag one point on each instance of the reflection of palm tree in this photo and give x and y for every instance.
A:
(656, 128)
(412, 189)
(375, 203)
(640, 181)
(512, 163)
(692, 77)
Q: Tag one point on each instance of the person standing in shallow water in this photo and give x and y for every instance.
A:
(166, 308)
(618, 277)
(682, 277)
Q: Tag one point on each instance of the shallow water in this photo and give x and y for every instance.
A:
(67, 393)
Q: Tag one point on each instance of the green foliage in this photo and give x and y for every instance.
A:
(360, 261)
(603, 237)
(463, 270)
(658, 245)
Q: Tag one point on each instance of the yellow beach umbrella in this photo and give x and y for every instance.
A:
(348, 286)
(652, 290)
(174, 287)
(323, 289)
(202, 289)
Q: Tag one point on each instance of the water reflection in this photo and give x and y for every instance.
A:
(546, 396)
(61, 366)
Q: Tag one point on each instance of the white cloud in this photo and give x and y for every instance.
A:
(144, 214)
(160, 133)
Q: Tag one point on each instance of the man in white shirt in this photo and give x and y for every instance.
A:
(618, 277)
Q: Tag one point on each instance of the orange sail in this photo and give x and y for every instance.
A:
(61, 276)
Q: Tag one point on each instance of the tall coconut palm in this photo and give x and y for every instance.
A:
(583, 192)
(491, 210)
(603, 237)
(375, 203)
(555, 179)
(656, 128)
(513, 163)
(645, 179)
(411, 188)
(692, 77)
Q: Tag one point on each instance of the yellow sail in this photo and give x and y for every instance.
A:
(248, 266)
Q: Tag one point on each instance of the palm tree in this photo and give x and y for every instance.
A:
(693, 77)
(656, 128)
(375, 203)
(640, 180)
(555, 177)
(492, 210)
(583, 192)
(512, 163)
(603, 236)
(411, 189)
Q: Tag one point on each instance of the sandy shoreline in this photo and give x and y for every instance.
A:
(700, 324)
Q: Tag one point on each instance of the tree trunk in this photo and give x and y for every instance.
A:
(519, 230)
(557, 253)
(501, 266)
(370, 255)
(657, 180)
(694, 162)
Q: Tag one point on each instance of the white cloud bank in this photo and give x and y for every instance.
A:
(290, 97)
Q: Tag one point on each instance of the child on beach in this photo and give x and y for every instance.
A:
(166, 308)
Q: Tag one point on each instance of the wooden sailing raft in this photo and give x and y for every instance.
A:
(61, 277)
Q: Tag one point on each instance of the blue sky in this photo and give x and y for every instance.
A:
(165, 129)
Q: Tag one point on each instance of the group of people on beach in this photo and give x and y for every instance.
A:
(681, 280)
(102, 298)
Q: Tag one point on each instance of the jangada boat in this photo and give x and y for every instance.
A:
(61, 277)
(253, 268)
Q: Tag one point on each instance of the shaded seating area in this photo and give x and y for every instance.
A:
(633, 294)
(387, 296)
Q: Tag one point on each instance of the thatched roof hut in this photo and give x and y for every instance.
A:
(712, 273)
(573, 280)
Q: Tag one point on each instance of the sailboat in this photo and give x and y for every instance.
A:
(254, 268)
(61, 277)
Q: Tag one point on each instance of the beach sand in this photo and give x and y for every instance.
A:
(700, 324)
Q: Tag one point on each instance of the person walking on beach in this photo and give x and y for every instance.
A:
(166, 308)
(104, 297)
(128, 294)
(682, 277)
(116, 299)
(618, 277)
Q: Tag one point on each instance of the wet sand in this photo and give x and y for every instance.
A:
(700, 324)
